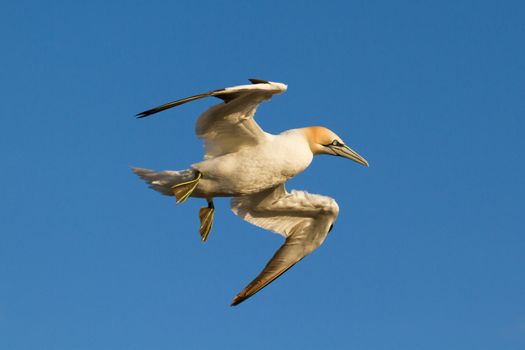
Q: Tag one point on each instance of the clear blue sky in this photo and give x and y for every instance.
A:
(428, 250)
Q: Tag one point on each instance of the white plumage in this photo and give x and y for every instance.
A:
(246, 163)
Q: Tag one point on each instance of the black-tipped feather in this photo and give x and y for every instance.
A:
(172, 104)
(258, 81)
(226, 97)
(253, 288)
(219, 93)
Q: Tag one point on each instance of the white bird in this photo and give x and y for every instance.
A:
(250, 165)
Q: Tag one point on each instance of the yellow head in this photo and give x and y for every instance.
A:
(325, 141)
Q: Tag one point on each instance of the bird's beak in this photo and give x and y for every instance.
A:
(347, 152)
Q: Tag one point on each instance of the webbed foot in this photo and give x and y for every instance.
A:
(183, 190)
(206, 217)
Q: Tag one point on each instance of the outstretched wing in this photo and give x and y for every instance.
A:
(303, 218)
(229, 126)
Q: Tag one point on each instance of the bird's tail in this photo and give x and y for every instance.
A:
(163, 181)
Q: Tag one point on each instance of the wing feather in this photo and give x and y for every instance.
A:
(289, 254)
(229, 126)
(303, 218)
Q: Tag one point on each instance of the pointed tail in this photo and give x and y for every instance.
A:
(163, 181)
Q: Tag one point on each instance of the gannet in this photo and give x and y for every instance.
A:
(246, 163)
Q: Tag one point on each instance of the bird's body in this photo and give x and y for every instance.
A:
(272, 162)
(251, 166)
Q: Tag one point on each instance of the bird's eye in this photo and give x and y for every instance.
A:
(335, 143)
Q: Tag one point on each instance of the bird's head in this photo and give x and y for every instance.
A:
(325, 141)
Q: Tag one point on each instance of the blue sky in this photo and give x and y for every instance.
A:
(428, 250)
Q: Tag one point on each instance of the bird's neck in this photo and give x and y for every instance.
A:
(310, 134)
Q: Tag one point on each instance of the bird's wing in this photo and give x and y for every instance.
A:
(229, 126)
(303, 218)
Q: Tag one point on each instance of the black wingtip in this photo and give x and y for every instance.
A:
(150, 112)
(237, 300)
(258, 81)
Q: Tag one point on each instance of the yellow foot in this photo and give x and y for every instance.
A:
(183, 190)
(206, 217)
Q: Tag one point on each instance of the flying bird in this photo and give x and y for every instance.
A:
(246, 163)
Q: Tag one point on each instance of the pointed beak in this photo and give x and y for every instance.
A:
(347, 152)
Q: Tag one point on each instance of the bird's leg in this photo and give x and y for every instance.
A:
(183, 190)
(206, 217)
